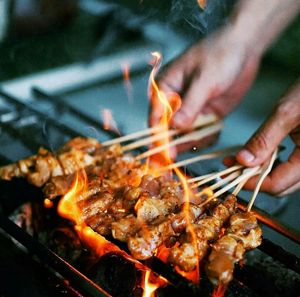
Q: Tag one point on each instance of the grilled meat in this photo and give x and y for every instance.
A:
(195, 243)
(76, 154)
(242, 234)
(145, 243)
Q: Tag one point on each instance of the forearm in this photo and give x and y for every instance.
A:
(256, 23)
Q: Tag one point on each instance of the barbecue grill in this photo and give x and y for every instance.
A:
(39, 252)
(49, 251)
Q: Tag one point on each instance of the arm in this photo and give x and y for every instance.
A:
(257, 23)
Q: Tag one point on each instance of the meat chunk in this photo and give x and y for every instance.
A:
(243, 234)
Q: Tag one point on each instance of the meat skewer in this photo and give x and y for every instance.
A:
(207, 229)
(145, 243)
(38, 169)
(242, 234)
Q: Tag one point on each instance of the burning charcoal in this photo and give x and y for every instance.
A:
(115, 274)
(65, 242)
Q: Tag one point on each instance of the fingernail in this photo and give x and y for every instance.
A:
(246, 156)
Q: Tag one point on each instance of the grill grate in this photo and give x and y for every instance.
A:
(32, 126)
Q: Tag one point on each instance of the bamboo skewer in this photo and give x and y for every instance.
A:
(265, 171)
(208, 156)
(239, 187)
(133, 135)
(200, 121)
(225, 180)
(215, 175)
(247, 173)
(198, 178)
(192, 136)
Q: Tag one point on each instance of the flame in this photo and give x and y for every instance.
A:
(163, 253)
(149, 286)
(168, 104)
(162, 101)
(108, 120)
(193, 275)
(95, 242)
(219, 291)
(127, 82)
(48, 203)
(202, 3)
(67, 206)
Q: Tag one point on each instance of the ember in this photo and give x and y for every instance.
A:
(108, 121)
(127, 82)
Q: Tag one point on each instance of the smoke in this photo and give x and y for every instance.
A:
(203, 20)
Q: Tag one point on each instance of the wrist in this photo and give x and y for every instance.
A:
(244, 45)
(255, 24)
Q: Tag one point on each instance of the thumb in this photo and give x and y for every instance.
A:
(266, 139)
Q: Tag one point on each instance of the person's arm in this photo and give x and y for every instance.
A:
(214, 74)
(257, 23)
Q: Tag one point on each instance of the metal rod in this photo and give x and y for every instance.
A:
(4, 160)
(28, 141)
(271, 222)
(275, 251)
(63, 127)
(51, 259)
(62, 103)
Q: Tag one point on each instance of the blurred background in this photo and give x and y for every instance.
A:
(93, 55)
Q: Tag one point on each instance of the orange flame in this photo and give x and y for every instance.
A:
(219, 291)
(127, 82)
(68, 208)
(202, 3)
(192, 276)
(108, 120)
(168, 105)
(159, 99)
(68, 205)
(195, 274)
(48, 203)
(149, 286)
(163, 253)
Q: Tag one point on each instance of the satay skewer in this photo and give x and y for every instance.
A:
(265, 171)
(248, 172)
(192, 136)
(239, 187)
(203, 157)
(215, 175)
(225, 180)
(201, 121)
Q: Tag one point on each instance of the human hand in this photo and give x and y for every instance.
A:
(210, 77)
(285, 120)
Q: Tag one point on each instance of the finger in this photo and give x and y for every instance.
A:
(282, 177)
(194, 99)
(290, 190)
(229, 161)
(261, 145)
